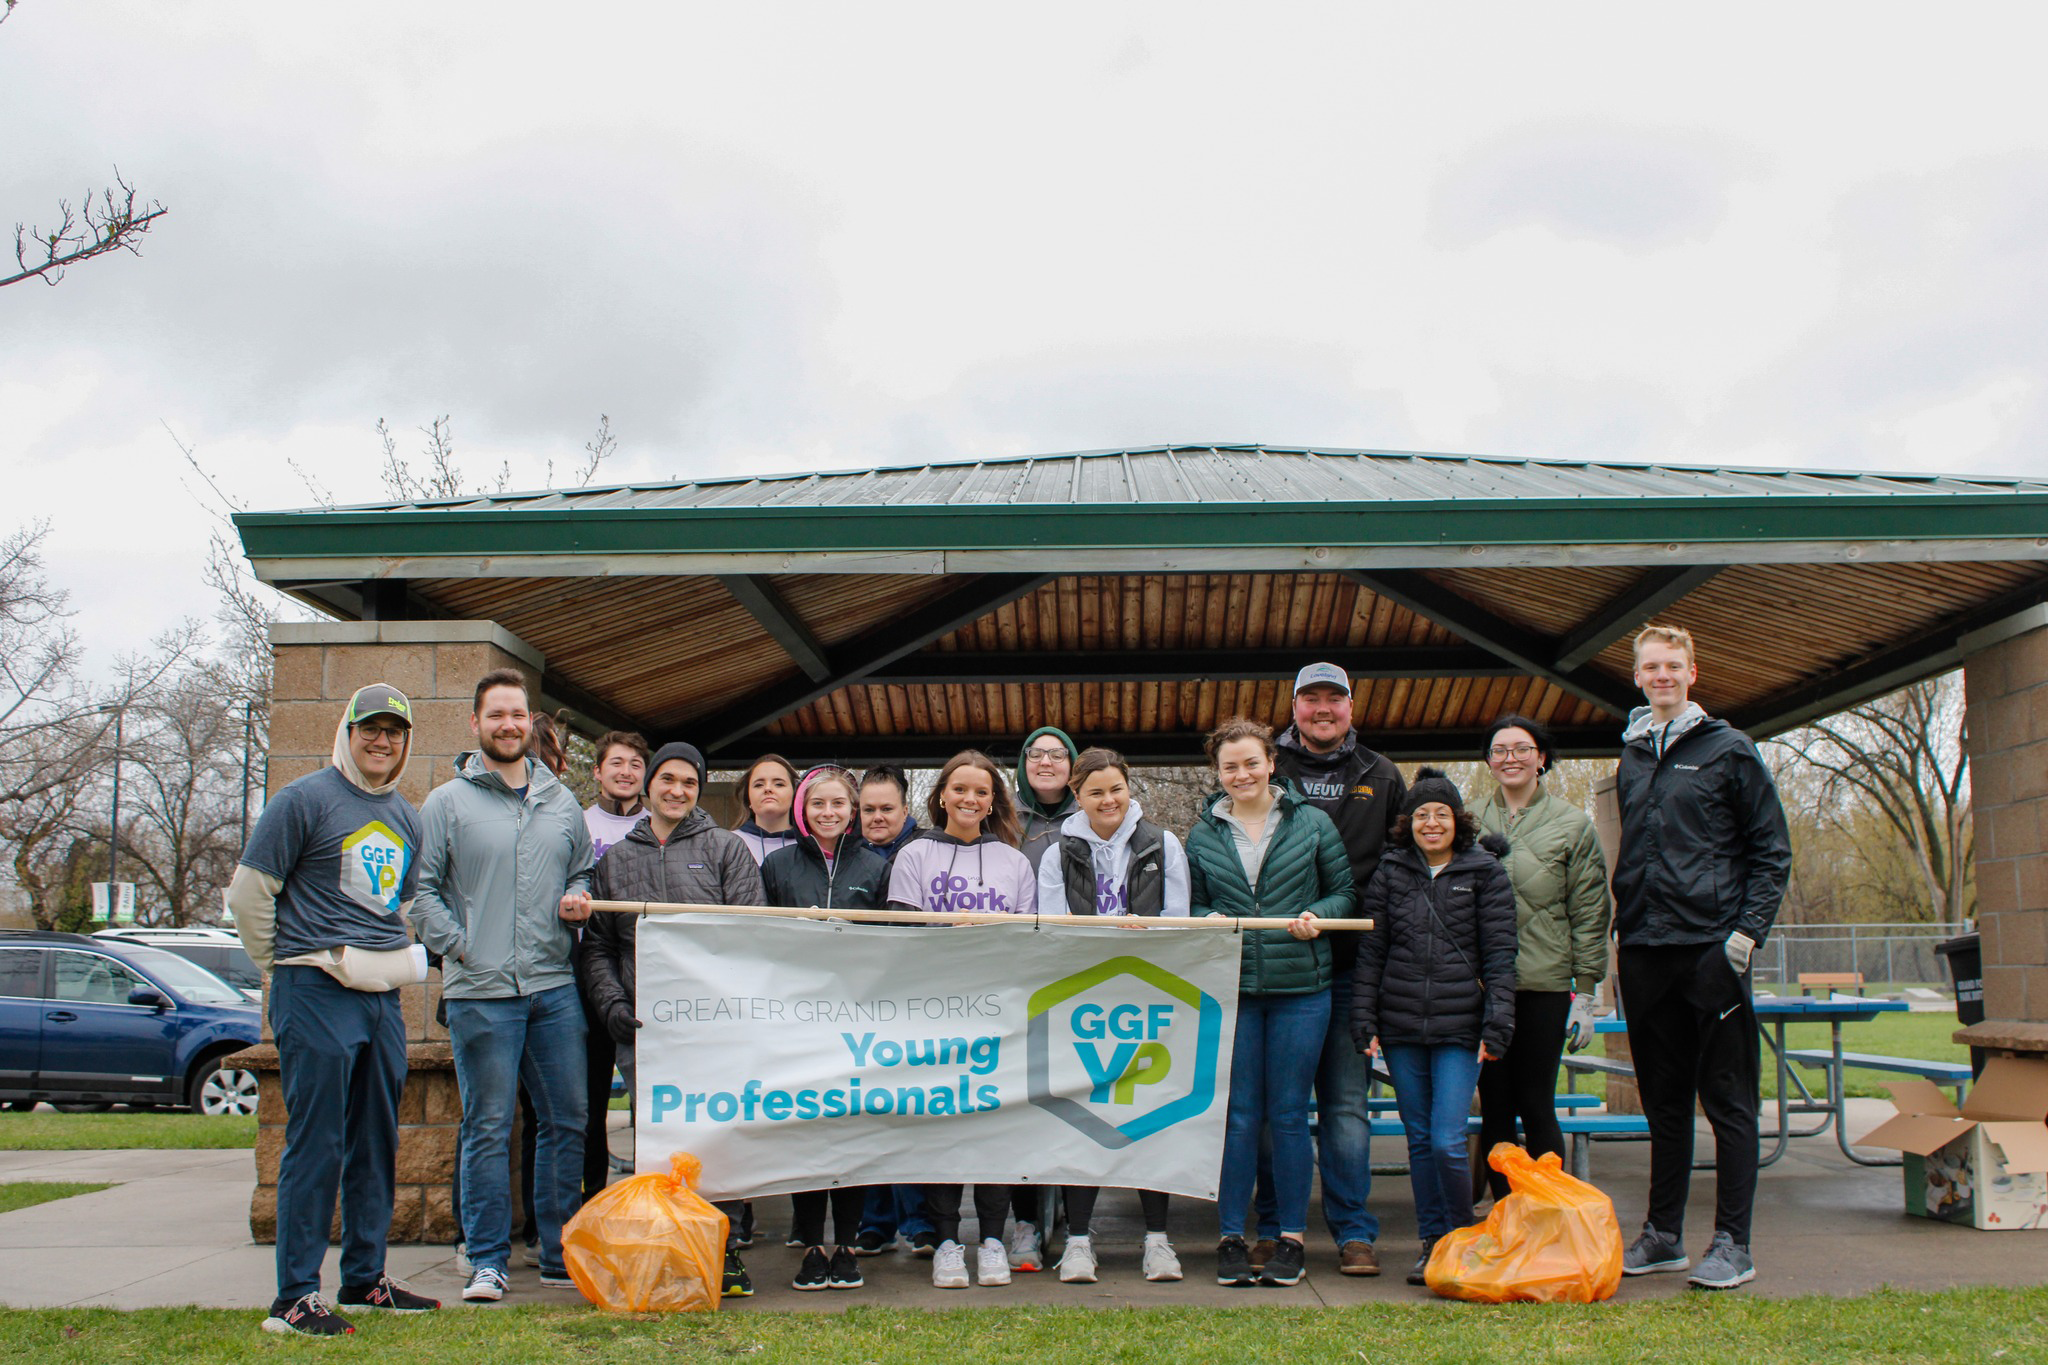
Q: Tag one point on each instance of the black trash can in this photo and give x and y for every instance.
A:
(1965, 954)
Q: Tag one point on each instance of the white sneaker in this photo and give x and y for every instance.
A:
(1024, 1251)
(1077, 1266)
(992, 1266)
(949, 1266)
(462, 1265)
(486, 1286)
(1160, 1262)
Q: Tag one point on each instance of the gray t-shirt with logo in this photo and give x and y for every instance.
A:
(347, 859)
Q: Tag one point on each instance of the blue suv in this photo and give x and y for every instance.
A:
(86, 1023)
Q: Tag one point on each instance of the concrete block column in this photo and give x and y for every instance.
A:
(318, 666)
(2005, 675)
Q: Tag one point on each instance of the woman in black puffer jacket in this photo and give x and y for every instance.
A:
(1434, 991)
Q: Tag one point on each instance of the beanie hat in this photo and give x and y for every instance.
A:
(1432, 785)
(669, 753)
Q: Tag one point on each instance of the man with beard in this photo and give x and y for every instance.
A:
(1362, 792)
(504, 871)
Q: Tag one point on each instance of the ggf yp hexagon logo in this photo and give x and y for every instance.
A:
(1123, 1050)
(373, 863)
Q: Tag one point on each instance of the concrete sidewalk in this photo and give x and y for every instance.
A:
(175, 1232)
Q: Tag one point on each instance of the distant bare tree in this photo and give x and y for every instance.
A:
(183, 797)
(112, 221)
(1896, 772)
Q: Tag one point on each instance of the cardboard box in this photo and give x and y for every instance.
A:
(1986, 1164)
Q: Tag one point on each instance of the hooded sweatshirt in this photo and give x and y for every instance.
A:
(939, 873)
(1361, 791)
(332, 863)
(1041, 820)
(761, 842)
(889, 850)
(1111, 861)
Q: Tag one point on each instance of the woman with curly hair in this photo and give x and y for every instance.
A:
(1435, 988)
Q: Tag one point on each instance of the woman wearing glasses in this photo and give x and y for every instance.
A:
(1044, 800)
(1562, 912)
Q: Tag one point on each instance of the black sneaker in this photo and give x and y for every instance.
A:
(1233, 1263)
(387, 1296)
(1289, 1263)
(746, 1228)
(308, 1316)
(738, 1284)
(814, 1273)
(924, 1244)
(845, 1270)
(1419, 1274)
(871, 1242)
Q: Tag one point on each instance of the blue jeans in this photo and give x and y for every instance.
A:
(1343, 1135)
(1272, 1068)
(537, 1039)
(341, 1059)
(894, 1209)
(1434, 1086)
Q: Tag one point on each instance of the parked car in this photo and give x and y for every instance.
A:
(217, 950)
(88, 1022)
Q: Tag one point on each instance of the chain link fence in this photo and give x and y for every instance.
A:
(1898, 953)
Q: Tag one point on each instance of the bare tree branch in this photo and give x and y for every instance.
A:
(112, 222)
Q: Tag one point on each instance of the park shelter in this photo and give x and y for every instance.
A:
(1136, 597)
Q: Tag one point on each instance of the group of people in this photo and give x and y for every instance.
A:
(1491, 925)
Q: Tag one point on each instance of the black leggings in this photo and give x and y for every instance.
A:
(1523, 1085)
(848, 1202)
(1081, 1209)
(991, 1207)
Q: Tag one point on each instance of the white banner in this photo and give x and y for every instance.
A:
(800, 1054)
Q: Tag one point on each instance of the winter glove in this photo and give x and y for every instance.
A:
(620, 1024)
(1578, 1025)
(1738, 947)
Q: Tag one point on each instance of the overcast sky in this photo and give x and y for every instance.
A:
(779, 236)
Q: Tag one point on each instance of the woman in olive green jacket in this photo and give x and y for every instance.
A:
(1260, 850)
(1563, 913)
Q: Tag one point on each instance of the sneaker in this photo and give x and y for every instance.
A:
(737, 1284)
(845, 1270)
(1233, 1263)
(815, 1273)
(745, 1238)
(1724, 1266)
(531, 1255)
(1419, 1272)
(924, 1243)
(1357, 1258)
(557, 1279)
(992, 1263)
(1289, 1264)
(1262, 1252)
(307, 1316)
(485, 1286)
(790, 1241)
(1651, 1252)
(1161, 1265)
(1077, 1266)
(463, 1266)
(872, 1243)
(1023, 1250)
(949, 1266)
(387, 1296)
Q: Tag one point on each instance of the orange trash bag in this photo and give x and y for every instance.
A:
(1554, 1239)
(649, 1244)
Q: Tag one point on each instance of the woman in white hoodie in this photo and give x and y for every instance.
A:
(1110, 860)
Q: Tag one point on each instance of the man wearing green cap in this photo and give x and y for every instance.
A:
(319, 900)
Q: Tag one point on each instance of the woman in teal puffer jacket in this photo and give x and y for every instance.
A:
(1261, 850)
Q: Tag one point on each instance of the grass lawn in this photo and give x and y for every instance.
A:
(44, 1131)
(1922, 1036)
(22, 1194)
(1965, 1325)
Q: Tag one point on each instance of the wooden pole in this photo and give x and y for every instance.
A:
(965, 916)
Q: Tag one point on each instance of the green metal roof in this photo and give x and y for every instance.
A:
(1219, 497)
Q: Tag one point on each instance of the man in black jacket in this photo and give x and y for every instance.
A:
(1701, 870)
(1362, 792)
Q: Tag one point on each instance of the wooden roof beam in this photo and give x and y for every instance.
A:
(1164, 749)
(779, 619)
(854, 660)
(1187, 665)
(1527, 651)
(1629, 610)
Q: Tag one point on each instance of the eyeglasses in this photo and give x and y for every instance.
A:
(394, 733)
(1498, 752)
(1044, 755)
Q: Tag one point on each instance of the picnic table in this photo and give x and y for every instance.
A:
(1774, 1014)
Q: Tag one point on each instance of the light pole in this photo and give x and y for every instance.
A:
(248, 743)
(114, 832)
